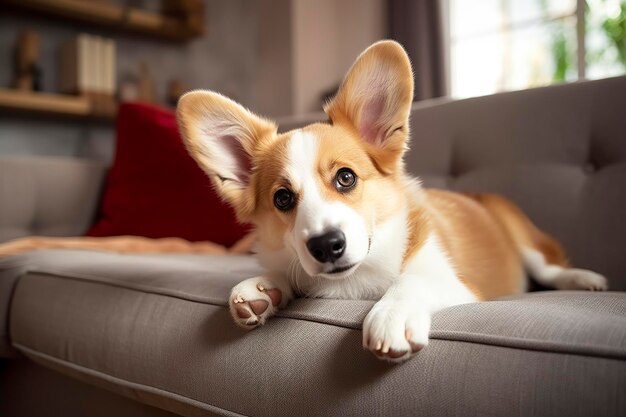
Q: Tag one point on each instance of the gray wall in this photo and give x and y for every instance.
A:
(224, 60)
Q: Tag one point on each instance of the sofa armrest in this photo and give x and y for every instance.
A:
(48, 196)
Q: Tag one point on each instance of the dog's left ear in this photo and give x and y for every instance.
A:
(375, 99)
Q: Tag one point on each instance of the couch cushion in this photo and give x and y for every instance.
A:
(155, 328)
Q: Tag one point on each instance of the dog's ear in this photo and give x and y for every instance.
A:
(375, 100)
(222, 136)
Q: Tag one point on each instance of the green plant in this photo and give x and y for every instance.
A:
(615, 30)
(562, 51)
(560, 54)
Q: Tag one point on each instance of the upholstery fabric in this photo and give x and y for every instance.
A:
(47, 196)
(155, 189)
(156, 328)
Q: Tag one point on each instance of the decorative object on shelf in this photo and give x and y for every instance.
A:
(129, 89)
(88, 68)
(175, 90)
(146, 89)
(27, 71)
(138, 86)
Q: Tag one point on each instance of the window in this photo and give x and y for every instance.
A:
(499, 45)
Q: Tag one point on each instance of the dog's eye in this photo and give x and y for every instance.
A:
(284, 199)
(345, 179)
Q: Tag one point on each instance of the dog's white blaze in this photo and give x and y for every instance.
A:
(301, 167)
(315, 214)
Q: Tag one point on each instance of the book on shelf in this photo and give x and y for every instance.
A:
(88, 68)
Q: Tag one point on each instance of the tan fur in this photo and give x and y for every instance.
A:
(482, 251)
(420, 226)
(521, 230)
(376, 195)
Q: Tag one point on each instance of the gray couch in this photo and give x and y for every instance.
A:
(105, 334)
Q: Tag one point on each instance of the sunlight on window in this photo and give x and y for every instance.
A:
(500, 45)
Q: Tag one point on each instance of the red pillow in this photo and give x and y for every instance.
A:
(155, 189)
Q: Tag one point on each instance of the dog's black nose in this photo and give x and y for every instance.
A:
(327, 247)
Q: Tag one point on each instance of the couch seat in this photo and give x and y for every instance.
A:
(156, 329)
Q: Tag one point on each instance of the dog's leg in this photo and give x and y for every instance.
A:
(254, 300)
(398, 324)
(543, 256)
(561, 277)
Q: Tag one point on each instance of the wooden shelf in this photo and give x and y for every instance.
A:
(113, 16)
(48, 104)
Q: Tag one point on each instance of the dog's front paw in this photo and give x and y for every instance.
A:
(394, 332)
(253, 301)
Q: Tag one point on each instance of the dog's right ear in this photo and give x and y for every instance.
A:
(375, 100)
(222, 136)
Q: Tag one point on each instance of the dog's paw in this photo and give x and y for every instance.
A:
(580, 279)
(253, 301)
(394, 333)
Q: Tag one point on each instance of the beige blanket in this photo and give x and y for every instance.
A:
(124, 244)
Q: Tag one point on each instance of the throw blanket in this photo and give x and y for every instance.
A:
(124, 244)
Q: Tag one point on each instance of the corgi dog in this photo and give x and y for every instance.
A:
(337, 216)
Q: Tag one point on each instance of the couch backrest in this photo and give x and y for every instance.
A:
(558, 152)
(48, 196)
